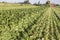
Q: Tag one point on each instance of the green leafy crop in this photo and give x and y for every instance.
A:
(39, 23)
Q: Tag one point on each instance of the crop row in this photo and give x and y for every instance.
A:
(40, 23)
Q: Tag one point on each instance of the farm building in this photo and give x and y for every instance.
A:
(52, 5)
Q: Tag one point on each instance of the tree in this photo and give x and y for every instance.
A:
(48, 3)
(57, 4)
(38, 2)
(26, 1)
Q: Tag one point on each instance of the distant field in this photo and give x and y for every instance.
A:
(8, 6)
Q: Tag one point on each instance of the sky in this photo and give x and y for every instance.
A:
(33, 1)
